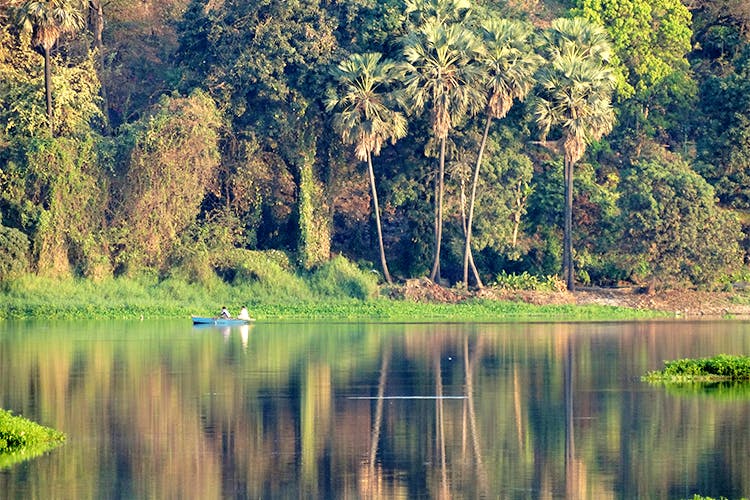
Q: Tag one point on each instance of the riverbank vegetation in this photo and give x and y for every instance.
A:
(327, 294)
(21, 439)
(722, 367)
(189, 148)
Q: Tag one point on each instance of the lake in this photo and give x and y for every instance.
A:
(161, 409)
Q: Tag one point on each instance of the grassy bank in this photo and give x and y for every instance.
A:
(293, 298)
(718, 368)
(21, 439)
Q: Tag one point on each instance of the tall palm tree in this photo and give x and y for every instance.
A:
(366, 118)
(441, 72)
(509, 64)
(47, 20)
(575, 98)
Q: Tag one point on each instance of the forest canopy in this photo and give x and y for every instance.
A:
(606, 143)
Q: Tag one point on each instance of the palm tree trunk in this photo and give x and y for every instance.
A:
(464, 225)
(472, 200)
(376, 207)
(435, 274)
(568, 226)
(48, 86)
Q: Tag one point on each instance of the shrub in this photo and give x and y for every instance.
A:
(722, 367)
(340, 277)
(21, 439)
(14, 250)
(526, 281)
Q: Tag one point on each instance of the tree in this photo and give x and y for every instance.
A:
(442, 72)
(171, 166)
(366, 118)
(723, 142)
(650, 42)
(266, 65)
(47, 21)
(509, 64)
(672, 228)
(574, 98)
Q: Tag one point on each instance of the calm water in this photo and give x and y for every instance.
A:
(165, 410)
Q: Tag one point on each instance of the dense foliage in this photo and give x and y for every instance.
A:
(163, 138)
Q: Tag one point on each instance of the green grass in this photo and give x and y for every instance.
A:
(723, 367)
(22, 439)
(308, 298)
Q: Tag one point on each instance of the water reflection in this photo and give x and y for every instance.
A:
(163, 410)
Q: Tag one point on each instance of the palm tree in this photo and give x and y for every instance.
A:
(366, 118)
(443, 11)
(47, 20)
(575, 97)
(509, 64)
(441, 72)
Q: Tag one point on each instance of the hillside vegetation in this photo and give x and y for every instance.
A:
(471, 142)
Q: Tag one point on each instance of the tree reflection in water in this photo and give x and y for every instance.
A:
(157, 409)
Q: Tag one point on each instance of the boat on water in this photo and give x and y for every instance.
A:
(198, 320)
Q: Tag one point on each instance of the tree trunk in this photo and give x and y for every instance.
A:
(472, 200)
(376, 207)
(435, 274)
(568, 226)
(314, 244)
(464, 226)
(520, 201)
(96, 23)
(48, 87)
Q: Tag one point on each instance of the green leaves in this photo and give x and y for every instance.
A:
(576, 85)
(442, 73)
(170, 170)
(720, 367)
(672, 224)
(367, 115)
(22, 439)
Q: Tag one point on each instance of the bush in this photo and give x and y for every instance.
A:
(340, 277)
(721, 367)
(526, 281)
(14, 250)
(21, 439)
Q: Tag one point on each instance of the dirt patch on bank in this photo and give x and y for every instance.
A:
(685, 303)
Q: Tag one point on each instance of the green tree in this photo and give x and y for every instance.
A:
(672, 227)
(442, 73)
(509, 64)
(366, 117)
(170, 168)
(574, 98)
(47, 20)
(650, 42)
(723, 140)
(266, 65)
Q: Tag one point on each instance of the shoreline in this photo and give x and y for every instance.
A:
(414, 300)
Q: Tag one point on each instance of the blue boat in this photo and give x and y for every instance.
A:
(198, 320)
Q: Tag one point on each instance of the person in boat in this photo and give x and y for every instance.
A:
(244, 314)
(225, 313)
